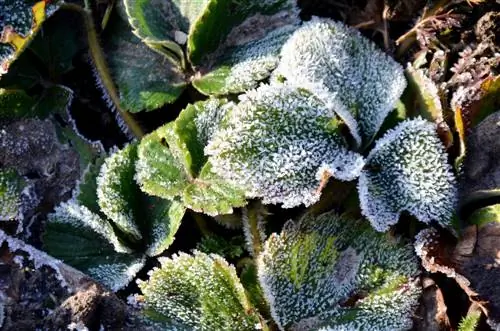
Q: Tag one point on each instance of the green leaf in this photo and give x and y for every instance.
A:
(408, 170)
(58, 43)
(237, 68)
(146, 80)
(486, 215)
(424, 100)
(14, 104)
(338, 273)
(280, 144)
(216, 23)
(470, 322)
(112, 250)
(86, 191)
(11, 185)
(165, 217)
(87, 242)
(117, 193)
(175, 296)
(171, 162)
(346, 70)
(20, 22)
(163, 23)
(17, 104)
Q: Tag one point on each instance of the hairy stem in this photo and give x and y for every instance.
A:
(252, 223)
(201, 223)
(101, 66)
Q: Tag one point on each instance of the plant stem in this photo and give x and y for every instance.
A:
(252, 227)
(407, 39)
(101, 66)
(201, 223)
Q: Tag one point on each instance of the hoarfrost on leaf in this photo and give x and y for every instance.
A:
(172, 163)
(175, 296)
(11, 186)
(338, 273)
(117, 192)
(408, 170)
(110, 239)
(336, 62)
(279, 143)
(237, 68)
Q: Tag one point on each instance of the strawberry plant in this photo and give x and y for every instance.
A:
(286, 191)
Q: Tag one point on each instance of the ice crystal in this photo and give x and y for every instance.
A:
(175, 296)
(407, 170)
(279, 143)
(340, 274)
(336, 62)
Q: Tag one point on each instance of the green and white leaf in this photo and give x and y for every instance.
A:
(114, 249)
(337, 63)
(172, 164)
(279, 143)
(87, 242)
(118, 194)
(20, 22)
(339, 274)
(11, 186)
(175, 296)
(239, 67)
(408, 170)
(146, 80)
(220, 18)
(164, 23)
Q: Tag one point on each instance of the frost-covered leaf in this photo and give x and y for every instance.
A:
(336, 62)
(171, 162)
(146, 80)
(333, 273)
(164, 23)
(11, 186)
(118, 195)
(175, 296)
(281, 143)
(237, 68)
(408, 170)
(19, 23)
(219, 21)
(110, 226)
(87, 242)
